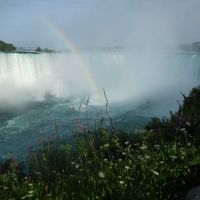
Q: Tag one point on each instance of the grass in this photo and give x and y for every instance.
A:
(111, 164)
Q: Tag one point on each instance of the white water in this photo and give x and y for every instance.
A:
(25, 76)
(124, 75)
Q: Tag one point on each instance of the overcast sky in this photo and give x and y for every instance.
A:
(100, 22)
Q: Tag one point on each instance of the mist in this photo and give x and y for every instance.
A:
(147, 31)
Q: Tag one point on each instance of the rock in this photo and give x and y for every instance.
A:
(193, 194)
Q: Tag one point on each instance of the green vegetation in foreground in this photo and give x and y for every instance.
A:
(6, 47)
(106, 164)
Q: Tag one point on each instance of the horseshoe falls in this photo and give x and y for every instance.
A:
(38, 91)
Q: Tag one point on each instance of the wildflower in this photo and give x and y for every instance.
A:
(183, 130)
(155, 173)
(30, 192)
(161, 162)
(174, 147)
(119, 159)
(101, 175)
(173, 157)
(123, 153)
(188, 124)
(146, 156)
(72, 163)
(105, 159)
(121, 182)
(30, 185)
(143, 147)
(24, 197)
(127, 142)
(5, 188)
(106, 145)
(127, 167)
(157, 146)
(77, 166)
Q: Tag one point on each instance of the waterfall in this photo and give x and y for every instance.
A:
(122, 74)
(25, 69)
(59, 74)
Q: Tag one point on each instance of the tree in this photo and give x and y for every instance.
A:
(6, 47)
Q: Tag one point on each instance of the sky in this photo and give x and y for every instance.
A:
(100, 22)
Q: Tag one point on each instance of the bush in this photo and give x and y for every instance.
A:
(184, 122)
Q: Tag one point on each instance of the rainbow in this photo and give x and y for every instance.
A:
(74, 49)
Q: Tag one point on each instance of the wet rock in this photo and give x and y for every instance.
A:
(193, 194)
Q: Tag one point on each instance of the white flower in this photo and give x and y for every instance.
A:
(121, 182)
(188, 124)
(143, 147)
(106, 145)
(77, 166)
(173, 157)
(127, 142)
(127, 167)
(174, 147)
(101, 175)
(157, 146)
(155, 172)
(183, 130)
(146, 156)
(105, 159)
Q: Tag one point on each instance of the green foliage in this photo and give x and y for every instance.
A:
(106, 166)
(5, 47)
(184, 122)
(103, 164)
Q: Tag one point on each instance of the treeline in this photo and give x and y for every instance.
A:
(191, 47)
(6, 47)
(46, 50)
